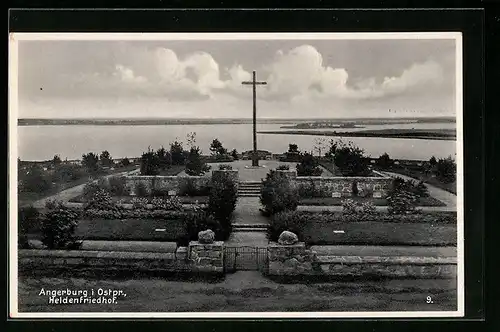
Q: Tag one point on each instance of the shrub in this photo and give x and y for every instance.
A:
(177, 153)
(139, 203)
(349, 207)
(235, 155)
(350, 160)
(102, 201)
(106, 159)
(125, 162)
(53, 204)
(68, 173)
(90, 189)
(222, 201)
(196, 221)
(292, 221)
(402, 202)
(90, 162)
(283, 168)
(307, 190)
(384, 161)
(28, 220)
(225, 167)
(421, 189)
(117, 186)
(368, 209)
(446, 170)
(150, 163)
(188, 188)
(195, 166)
(171, 203)
(159, 192)
(58, 228)
(141, 190)
(278, 194)
(308, 166)
(355, 190)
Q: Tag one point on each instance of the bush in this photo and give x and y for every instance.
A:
(446, 170)
(402, 202)
(421, 189)
(177, 153)
(141, 190)
(58, 228)
(171, 203)
(28, 220)
(188, 188)
(235, 155)
(292, 221)
(225, 167)
(68, 173)
(349, 207)
(195, 166)
(91, 162)
(278, 194)
(35, 180)
(384, 161)
(197, 221)
(139, 203)
(90, 189)
(350, 160)
(117, 186)
(222, 202)
(150, 163)
(308, 166)
(102, 201)
(368, 209)
(283, 168)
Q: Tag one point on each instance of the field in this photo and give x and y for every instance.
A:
(431, 134)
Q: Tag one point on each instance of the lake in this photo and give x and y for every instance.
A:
(43, 142)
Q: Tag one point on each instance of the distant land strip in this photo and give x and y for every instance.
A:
(429, 134)
(173, 121)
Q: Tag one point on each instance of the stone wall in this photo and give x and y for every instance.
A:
(164, 183)
(343, 186)
(297, 260)
(207, 257)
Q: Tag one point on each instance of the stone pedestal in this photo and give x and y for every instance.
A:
(290, 260)
(207, 257)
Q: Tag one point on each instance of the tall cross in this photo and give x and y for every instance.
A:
(254, 83)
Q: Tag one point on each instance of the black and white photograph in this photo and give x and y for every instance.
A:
(236, 175)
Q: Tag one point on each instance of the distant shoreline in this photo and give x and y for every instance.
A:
(219, 121)
(427, 134)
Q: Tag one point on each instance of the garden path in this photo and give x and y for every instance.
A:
(444, 196)
(249, 225)
(72, 192)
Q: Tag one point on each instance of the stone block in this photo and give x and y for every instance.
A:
(377, 194)
(336, 194)
(288, 238)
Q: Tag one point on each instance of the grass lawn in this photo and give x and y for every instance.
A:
(373, 233)
(127, 229)
(333, 201)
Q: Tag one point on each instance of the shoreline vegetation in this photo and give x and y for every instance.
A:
(214, 121)
(428, 134)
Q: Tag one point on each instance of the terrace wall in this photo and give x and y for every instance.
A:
(375, 186)
(297, 260)
(164, 183)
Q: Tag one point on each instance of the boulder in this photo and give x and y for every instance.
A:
(206, 237)
(288, 238)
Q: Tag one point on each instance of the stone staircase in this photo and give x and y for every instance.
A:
(250, 227)
(249, 189)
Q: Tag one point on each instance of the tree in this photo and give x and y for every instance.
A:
(293, 153)
(150, 164)
(332, 149)
(106, 159)
(384, 161)
(217, 148)
(222, 201)
(194, 165)
(177, 153)
(164, 158)
(234, 154)
(125, 162)
(350, 160)
(90, 162)
(56, 160)
(308, 166)
(278, 194)
(293, 148)
(58, 228)
(446, 170)
(433, 161)
(191, 139)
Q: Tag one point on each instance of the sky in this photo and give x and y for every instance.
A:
(202, 78)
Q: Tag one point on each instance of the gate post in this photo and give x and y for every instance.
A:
(207, 257)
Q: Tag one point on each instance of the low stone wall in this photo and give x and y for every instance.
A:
(343, 186)
(167, 184)
(297, 260)
(197, 258)
(207, 258)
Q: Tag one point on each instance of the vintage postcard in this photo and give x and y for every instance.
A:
(236, 175)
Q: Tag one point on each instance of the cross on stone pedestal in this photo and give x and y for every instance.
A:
(254, 83)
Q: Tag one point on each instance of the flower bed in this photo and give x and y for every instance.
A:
(333, 201)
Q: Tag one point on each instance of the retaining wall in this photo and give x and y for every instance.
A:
(297, 260)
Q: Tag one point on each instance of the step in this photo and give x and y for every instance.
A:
(250, 226)
(249, 191)
(249, 195)
(238, 230)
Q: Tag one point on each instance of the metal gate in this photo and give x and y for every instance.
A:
(245, 258)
